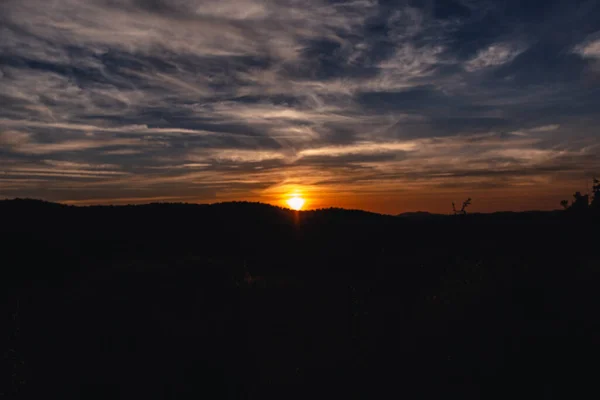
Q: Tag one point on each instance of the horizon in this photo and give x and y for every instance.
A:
(386, 108)
(287, 208)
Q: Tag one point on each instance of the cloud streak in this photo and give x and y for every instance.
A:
(493, 56)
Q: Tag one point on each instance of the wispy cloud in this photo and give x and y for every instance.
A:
(495, 55)
(590, 48)
(21, 142)
(537, 129)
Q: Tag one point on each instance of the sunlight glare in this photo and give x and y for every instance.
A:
(296, 203)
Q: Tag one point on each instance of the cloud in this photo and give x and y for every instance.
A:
(495, 55)
(537, 129)
(12, 138)
(359, 148)
(590, 48)
(76, 165)
(23, 143)
(241, 99)
(70, 146)
(237, 156)
(545, 128)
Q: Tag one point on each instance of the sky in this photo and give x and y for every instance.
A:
(387, 106)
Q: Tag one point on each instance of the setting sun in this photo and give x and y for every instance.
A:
(296, 203)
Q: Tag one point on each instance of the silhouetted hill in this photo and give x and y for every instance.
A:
(155, 301)
(239, 213)
(421, 215)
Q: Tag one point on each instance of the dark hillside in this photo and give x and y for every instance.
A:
(151, 301)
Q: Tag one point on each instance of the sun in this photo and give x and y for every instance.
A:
(295, 203)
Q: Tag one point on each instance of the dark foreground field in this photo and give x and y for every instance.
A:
(151, 302)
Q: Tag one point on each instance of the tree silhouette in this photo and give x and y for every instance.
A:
(463, 209)
(584, 202)
(596, 194)
(581, 202)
